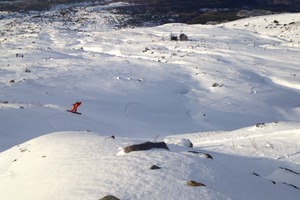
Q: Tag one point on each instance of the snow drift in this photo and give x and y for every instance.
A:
(76, 165)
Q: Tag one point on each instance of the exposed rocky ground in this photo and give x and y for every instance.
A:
(156, 12)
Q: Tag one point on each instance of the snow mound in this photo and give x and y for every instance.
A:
(77, 165)
(277, 140)
(179, 141)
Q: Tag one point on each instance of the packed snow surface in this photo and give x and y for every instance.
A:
(231, 89)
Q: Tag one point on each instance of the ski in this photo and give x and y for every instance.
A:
(78, 113)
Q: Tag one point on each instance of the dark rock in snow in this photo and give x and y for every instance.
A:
(206, 155)
(111, 137)
(155, 167)
(146, 49)
(146, 146)
(195, 184)
(109, 197)
(256, 174)
(260, 125)
(19, 55)
(217, 85)
(185, 142)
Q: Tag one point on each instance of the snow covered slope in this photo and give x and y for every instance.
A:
(135, 83)
(77, 165)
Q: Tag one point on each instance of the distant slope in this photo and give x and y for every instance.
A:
(136, 82)
(200, 11)
(188, 11)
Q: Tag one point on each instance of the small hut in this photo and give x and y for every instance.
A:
(183, 37)
(173, 37)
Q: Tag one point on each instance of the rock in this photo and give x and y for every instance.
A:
(179, 141)
(195, 184)
(155, 167)
(217, 85)
(206, 155)
(184, 142)
(255, 174)
(146, 146)
(146, 49)
(109, 197)
(111, 137)
(19, 55)
(259, 125)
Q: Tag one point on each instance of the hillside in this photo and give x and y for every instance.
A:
(232, 89)
(174, 5)
(76, 165)
(158, 12)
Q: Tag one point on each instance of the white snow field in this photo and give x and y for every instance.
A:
(232, 89)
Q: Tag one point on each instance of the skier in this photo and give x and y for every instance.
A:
(75, 106)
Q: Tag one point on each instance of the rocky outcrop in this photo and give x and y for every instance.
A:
(109, 197)
(206, 155)
(145, 146)
(195, 184)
